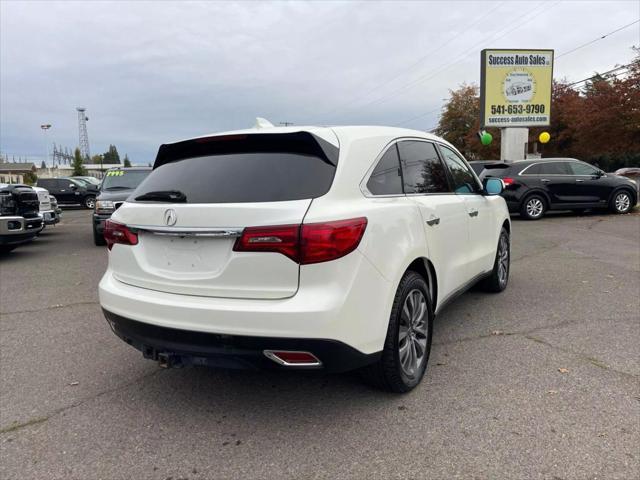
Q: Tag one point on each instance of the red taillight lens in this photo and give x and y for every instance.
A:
(118, 233)
(305, 244)
(284, 239)
(322, 242)
(508, 181)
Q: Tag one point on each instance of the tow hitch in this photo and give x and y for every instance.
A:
(168, 360)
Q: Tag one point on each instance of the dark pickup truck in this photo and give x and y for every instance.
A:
(20, 221)
(117, 185)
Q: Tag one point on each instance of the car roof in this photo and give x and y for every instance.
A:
(335, 135)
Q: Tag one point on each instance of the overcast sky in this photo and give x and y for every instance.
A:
(154, 72)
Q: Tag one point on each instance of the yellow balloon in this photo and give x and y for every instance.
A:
(544, 137)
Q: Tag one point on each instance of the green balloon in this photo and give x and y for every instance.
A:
(486, 138)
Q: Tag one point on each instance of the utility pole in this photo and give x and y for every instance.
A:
(82, 131)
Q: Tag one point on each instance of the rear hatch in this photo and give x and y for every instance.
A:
(200, 196)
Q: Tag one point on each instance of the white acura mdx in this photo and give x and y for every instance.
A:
(302, 248)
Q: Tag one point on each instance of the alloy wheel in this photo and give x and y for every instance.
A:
(90, 202)
(412, 337)
(535, 207)
(503, 260)
(622, 202)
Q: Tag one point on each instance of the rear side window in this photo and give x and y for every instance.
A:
(422, 170)
(386, 178)
(464, 181)
(554, 168)
(532, 170)
(244, 168)
(578, 168)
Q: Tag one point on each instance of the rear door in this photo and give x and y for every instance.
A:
(483, 235)
(443, 213)
(223, 185)
(556, 178)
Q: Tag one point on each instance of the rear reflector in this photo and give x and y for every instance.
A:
(307, 243)
(508, 181)
(115, 232)
(292, 358)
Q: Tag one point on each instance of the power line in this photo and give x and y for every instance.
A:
(419, 116)
(447, 66)
(608, 73)
(597, 39)
(419, 61)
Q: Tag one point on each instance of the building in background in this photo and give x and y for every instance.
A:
(15, 172)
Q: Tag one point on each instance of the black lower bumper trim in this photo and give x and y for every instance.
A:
(174, 347)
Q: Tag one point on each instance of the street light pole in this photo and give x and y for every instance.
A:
(45, 127)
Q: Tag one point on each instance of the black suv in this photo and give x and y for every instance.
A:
(117, 185)
(534, 186)
(20, 220)
(69, 191)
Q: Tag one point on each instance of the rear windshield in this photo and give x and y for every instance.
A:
(123, 179)
(272, 168)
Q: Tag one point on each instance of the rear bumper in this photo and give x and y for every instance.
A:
(345, 300)
(175, 347)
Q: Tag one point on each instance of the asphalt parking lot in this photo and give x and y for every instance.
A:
(541, 381)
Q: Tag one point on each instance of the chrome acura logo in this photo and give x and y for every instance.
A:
(170, 217)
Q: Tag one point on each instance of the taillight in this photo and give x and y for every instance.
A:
(307, 243)
(284, 239)
(118, 233)
(508, 181)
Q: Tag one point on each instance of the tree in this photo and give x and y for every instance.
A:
(78, 168)
(30, 178)
(111, 156)
(460, 123)
(43, 165)
(127, 162)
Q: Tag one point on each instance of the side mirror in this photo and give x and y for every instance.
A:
(492, 186)
(73, 186)
(599, 174)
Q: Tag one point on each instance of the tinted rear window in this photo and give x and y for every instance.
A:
(244, 169)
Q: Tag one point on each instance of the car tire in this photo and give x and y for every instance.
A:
(89, 202)
(408, 343)
(499, 278)
(533, 207)
(98, 238)
(621, 202)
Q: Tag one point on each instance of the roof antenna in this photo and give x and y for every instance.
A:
(263, 123)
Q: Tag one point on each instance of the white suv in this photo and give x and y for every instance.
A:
(302, 248)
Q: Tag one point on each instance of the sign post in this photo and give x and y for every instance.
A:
(515, 94)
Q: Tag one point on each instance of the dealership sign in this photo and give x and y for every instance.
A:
(515, 88)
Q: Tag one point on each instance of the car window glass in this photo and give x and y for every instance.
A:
(463, 179)
(422, 170)
(578, 168)
(386, 179)
(533, 170)
(554, 168)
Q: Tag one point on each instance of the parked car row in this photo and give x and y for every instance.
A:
(71, 191)
(24, 213)
(533, 187)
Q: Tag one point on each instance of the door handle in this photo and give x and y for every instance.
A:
(579, 180)
(473, 213)
(545, 180)
(433, 221)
